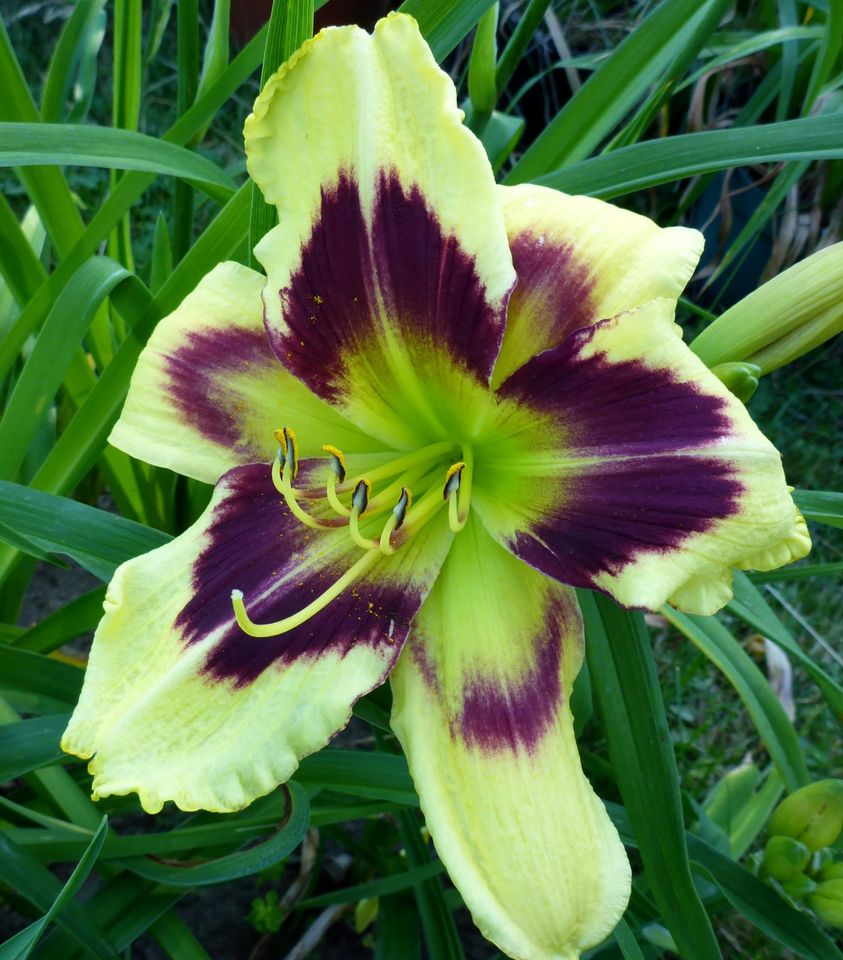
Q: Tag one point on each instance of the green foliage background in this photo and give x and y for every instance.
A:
(649, 103)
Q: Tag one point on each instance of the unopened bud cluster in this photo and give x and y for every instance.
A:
(798, 859)
(786, 317)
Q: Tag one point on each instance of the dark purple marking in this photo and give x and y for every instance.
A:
(427, 284)
(501, 714)
(649, 502)
(253, 540)
(553, 291)
(198, 381)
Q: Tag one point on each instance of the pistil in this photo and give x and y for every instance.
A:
(247, 625)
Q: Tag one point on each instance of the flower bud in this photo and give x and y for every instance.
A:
(813, 814)
(740, 378)
(832, 871)
(827, 902)
(785, 857)
(799, 886)
(789, 315)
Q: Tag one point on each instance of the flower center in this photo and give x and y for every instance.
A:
(421, 467)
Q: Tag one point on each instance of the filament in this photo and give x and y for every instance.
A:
(247, 625)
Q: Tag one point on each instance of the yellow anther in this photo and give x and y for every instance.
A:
(360, 497)
(247, 625)
(457, 490)
(289, 447)
(395, 521)
(337, 475)
(338, 463)
(283, 484)
(452, 479)
(359, 502)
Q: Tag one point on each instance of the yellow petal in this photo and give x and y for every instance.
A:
(179, 704)
(208, 392)
(482, 710)
(390, 269)
(580, 260)
(631, 469)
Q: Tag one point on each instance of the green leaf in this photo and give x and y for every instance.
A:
(215, 59)
(98, 540)
(162, 255)
(39, 144)
(125, 194)
(54, 349)
(176, 938)
(243, 863)
(482, 89)
(519, 41)
(29, 745)
(821, 506)
(65, 624)
(440, 932)
(768, 716)
(397, 929)
(20, 542)
(611, 92)
(69, 51)
(754, 43)
(376, 888)
(444, 23)
(34, 882)
(751, 607)
(675, 158)
(754, 900)
(46, 186)
(500, 137)
(627, 943)
(84, 438)
(380, 776)
(627, 689)
(19, 264)
(21, 945)
(798, 571)
(34, 673)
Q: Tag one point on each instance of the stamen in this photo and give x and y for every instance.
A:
(337, 475)
(394, 523)
(359, 502)
(457, 490)
(418, 457)
(247, 625)
(283, 484)
(289, 445)
(425, 510)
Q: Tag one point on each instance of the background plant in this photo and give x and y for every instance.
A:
(124, 183)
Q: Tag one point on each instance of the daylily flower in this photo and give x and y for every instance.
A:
(444, 405)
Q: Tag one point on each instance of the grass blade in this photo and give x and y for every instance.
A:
(440, 932)
(27, 939)
(768, 716)
(676, 158)
(610, 93)
(98, 540)
(40, 144)
(444, 23)
(54, 349)
(626, 684)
